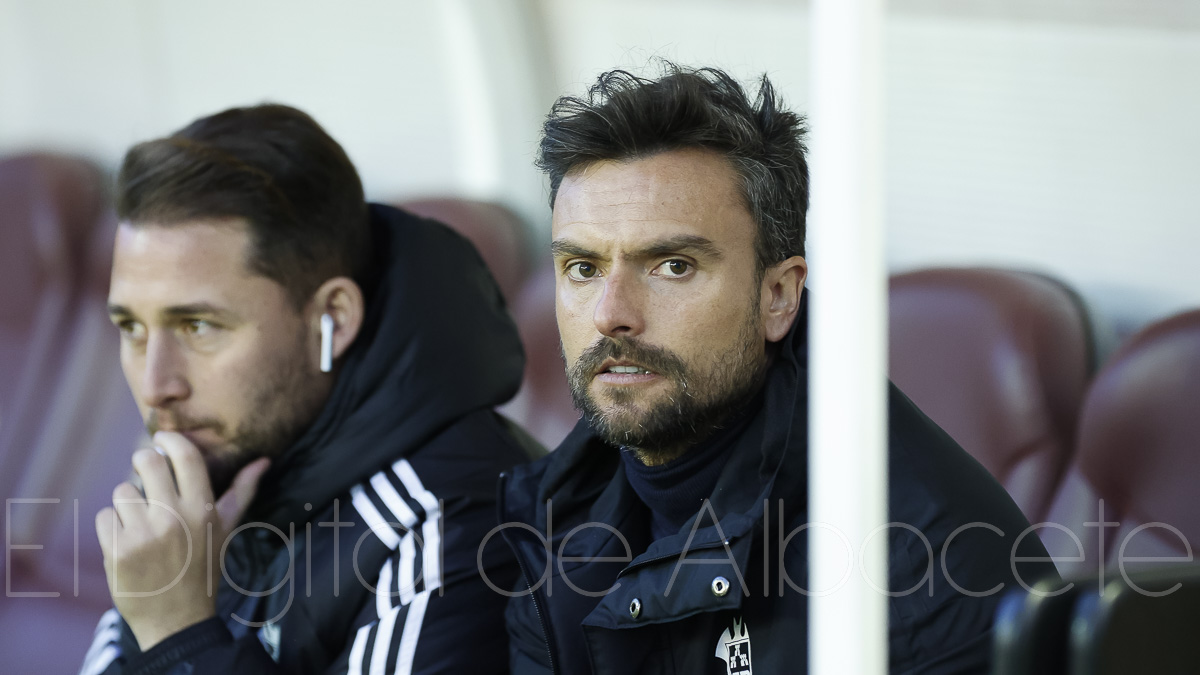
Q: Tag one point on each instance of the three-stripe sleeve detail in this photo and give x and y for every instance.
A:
(104, 649)
(386, 503)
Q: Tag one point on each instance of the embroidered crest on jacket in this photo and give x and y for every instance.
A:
(734, 648)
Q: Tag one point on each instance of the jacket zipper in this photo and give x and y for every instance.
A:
(537, 609)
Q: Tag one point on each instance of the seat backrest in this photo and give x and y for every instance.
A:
(90, 428)
(1138, 622)
(48, 208)
(1142, 622)
(1139, 447)
(497, 233)
(1000, 360)
(74, 423)
(1031, 628)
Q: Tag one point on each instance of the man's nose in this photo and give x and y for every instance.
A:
(165, 378)
(619, 312)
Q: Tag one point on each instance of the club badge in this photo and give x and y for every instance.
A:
(734, 648)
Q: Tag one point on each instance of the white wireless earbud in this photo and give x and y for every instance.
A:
(326, 343)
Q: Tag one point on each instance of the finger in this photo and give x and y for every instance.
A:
(129, 505)
(191, 474)
(155, 472)
(106, 529)
(233, 504)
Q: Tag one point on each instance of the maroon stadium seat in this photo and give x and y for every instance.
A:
(999, 359)
(47, 205)
(1138, 452)
(69, 423)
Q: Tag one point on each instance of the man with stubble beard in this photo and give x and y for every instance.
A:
(667, 533)
(318, 375)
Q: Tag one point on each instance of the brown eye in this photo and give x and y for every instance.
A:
(676, 268)
(581, 271)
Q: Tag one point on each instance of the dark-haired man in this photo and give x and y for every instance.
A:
(666, 534)
(322, 477)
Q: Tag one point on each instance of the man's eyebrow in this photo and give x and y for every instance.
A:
(175, 311)
(683, 243)
(193, 309)
(560, 248)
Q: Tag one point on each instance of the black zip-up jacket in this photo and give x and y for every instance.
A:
(360, 548)
(679, 606)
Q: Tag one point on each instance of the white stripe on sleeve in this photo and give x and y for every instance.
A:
(383, 589)
(362, 503)
(431, 529)
(383, 641)
(359, 650)
(387, 492)
(412, 631)
(103, 650)
(408, 476)
(102, 659)
(406, 580)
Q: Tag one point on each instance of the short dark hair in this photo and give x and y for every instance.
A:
(272, 165)
(624, 116)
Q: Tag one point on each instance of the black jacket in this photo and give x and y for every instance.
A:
(680, 605)
(365, 533)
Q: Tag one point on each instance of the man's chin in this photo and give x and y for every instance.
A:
(633, 400)
(221, 472)
(622, 425)
(223, 462)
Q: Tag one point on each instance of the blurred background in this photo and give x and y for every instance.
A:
(1057, 134)
(1046, 150)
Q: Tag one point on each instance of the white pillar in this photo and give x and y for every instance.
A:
(848, 338)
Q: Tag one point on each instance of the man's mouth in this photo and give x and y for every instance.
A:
(624, 372)
(626, 369)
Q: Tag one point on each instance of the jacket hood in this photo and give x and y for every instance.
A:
(436, 343)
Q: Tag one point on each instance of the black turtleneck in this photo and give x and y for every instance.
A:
(675, 491)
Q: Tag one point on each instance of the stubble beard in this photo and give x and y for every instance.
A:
(697, 403)
(285, 401)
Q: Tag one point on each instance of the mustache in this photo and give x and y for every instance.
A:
(175, 420)
(658, 359)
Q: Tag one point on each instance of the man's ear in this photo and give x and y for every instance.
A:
(782, 286)
(343, 301)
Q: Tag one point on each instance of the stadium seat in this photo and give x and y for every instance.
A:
(69, 424)
(1106, 623)
(47, 205)
(1138, 455)
(999, 359)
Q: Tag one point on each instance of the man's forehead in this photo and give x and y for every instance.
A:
(667, 176)
(183, 264)
(669, 194)
(213, 238)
